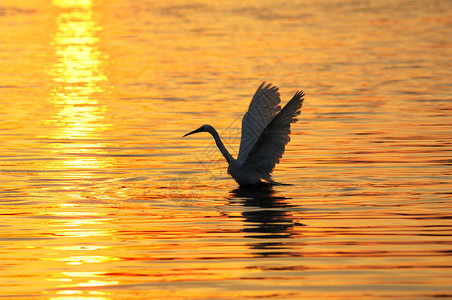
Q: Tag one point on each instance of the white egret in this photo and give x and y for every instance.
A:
(265, 134)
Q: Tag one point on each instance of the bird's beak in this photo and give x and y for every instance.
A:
(194, 131)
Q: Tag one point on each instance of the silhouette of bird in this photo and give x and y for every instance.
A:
(265, 134)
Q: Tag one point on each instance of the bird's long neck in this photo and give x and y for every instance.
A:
(220, 145)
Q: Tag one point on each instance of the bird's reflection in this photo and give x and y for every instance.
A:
(267, 217)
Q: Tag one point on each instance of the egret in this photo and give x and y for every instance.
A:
(265, 134)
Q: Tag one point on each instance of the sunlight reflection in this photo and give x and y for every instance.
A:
(98, 283)
(73, 3)
(79, 298)
(79, 248)
(79, 81)
(81, 233)
(69, 292)
(84, 259)
(79, 84)
(73, 287)
(83, 274)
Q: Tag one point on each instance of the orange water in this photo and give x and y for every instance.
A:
(101, 198)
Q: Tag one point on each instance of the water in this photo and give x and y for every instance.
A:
(101, 198)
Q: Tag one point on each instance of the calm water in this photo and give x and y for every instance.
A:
(101, 198)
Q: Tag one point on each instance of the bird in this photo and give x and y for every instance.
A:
(265, 134)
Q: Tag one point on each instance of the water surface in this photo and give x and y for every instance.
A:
(101, 198)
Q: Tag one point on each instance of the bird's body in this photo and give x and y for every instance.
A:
(244, 175)
(265, 134)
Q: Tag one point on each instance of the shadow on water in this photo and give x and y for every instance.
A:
(268, 217)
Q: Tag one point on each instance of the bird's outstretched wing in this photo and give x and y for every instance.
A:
(262, 110)
(270, 146)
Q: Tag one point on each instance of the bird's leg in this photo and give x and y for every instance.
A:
(271, 181)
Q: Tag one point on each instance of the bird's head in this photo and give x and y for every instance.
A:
(203, 128)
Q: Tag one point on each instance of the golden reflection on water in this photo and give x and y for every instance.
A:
(78, 84)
